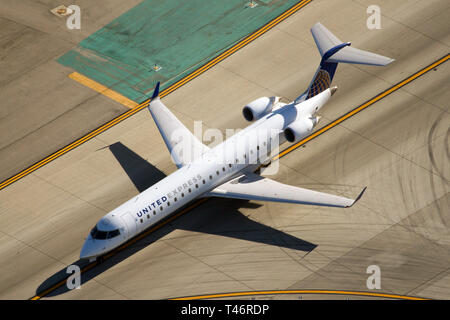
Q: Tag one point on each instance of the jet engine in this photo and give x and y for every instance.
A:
(258, 108)
(300, 128)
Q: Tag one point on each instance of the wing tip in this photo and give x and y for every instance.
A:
(358, 197)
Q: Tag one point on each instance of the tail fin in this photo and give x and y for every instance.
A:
(334, 51)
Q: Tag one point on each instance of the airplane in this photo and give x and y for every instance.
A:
(231, 169)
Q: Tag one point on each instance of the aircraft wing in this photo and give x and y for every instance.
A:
(182, 144)
(254, 187)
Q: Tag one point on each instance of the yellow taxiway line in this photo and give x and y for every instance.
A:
(122, 247)
(275, 292)
(364, 105)
(281, 154)
(163, 93)
(103, 90)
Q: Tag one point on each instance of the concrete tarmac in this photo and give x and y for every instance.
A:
(398, 148)
(42, 110)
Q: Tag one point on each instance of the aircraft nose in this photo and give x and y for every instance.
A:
(88, 250)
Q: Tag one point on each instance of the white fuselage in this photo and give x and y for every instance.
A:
(213, 168)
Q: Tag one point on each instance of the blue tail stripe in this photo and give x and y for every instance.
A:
(333, 50)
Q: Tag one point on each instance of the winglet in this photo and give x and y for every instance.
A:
(156, 91)
(358, 197)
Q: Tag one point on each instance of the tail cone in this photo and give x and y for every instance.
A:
(333, 90)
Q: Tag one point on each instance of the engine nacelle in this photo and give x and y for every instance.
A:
(300, 128)
(258, 108)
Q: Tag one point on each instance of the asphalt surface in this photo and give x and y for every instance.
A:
(398, 148)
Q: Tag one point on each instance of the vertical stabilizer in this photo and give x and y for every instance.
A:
(334, 51)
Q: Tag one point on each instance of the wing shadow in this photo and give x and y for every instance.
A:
(141, 173)
(228, 221)
(219, 216)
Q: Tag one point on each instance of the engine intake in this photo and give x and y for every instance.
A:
(300, 129)
(258, 108)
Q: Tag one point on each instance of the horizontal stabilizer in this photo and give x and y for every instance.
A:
(324, 39)
(353, 55)
(327, 43)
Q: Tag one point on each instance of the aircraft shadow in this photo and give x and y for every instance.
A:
(219, 217)
(141, 173)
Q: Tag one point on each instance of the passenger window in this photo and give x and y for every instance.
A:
(217, 172)
(196, 185)
(229, 165)
(142, 220)
(175, 199)
(168, 203)
(210, 177)
(203, 181)
(182, 194)
(154, 212)
(161, 208)
(148, 216)
(189, 190)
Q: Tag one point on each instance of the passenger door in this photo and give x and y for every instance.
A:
(130, 222)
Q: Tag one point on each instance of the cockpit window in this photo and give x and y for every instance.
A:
(102, 235)
(112, 234)
(97, 234)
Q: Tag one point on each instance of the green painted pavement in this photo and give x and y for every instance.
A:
(177, 35)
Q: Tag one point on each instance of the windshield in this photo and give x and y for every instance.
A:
(102, 235)
(112, 234)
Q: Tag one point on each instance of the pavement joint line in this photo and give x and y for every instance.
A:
(242, 282)
(123, 246)
(395, 153)
(410, 228)
(401, 224)
(280, 155)
(163, 93)
(366, 104)
(439, 275)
